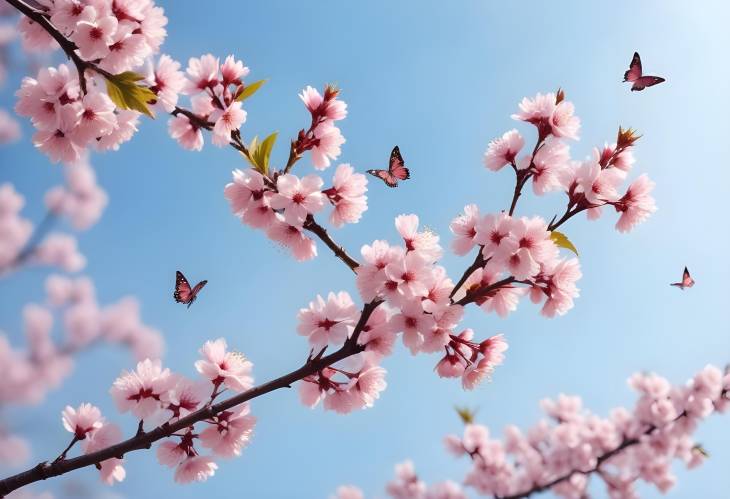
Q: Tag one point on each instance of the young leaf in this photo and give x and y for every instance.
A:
(562, 241)
(253, 146)
(126, 94)
(465, 414)
(249, 90)
(265, 151)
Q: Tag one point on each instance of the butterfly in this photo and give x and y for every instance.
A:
(396, 170)
(687, 281)
(183, 293)
(640, 82)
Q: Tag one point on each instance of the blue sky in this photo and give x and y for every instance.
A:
(439, 79)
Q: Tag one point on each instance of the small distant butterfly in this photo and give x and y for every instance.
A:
(687, 281)
(183, 293)
(634, 75)
(396, 170)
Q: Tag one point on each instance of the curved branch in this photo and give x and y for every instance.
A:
(144, 440)
(312, 226)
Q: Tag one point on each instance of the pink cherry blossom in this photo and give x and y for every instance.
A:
(425, 243)
(93, 38)
(291, 236)
(328, 140)
(96, 118)
(491, 233)
(378, 335)
(348, 492)
(81, 200)
(34, 37)
(61, 144)
(636, 205)
(59, 250)
(202, 73)
(230, 432)
(406, 484)
(185, 397)
(504, 150)
(328, 322)
(82, 421)
(563, 121)
(548, 165)
(369, 383)
(371, 277)
(67, 13)
(222, 367)
(167, 81)
(406, 279)
(140, 391)
(247, 186)
(228, 120)
(186, 133)
(347, 195)
(9, 128)
(110, 470)
(464, 230)
(127, 50)
(126, 127)
(562, 287)
(195, 469)
(298, 197)
(233, 71)
(414, 324)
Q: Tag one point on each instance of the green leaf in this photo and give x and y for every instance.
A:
(259, 153)
(126, 94)
(249, 90)
(703, 452)
(562, 241)
(465, 414)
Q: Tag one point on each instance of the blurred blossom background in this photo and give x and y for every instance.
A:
(439, 79)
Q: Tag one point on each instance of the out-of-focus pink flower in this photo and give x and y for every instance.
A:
(9, 128)
(348, 492)
(222, 367)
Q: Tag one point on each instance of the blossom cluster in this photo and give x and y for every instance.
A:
(589, 184)
(70, 115)
(658, 430)
(29, 374)
(561, 451)
(408, 485)
(56, 249)
(283, 208)
(154, 394)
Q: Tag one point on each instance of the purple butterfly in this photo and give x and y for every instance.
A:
(634, 75)
(183, 293)
(687, 281)
(396, 170)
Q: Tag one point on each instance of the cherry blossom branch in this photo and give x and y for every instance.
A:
(485, 290)
(626, 443)
(38, 234)
(312, 226)
(145, 439)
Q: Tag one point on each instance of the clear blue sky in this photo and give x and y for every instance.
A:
(440, 79)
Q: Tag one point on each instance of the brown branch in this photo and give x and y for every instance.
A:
(312, 226)
(144, 440)
(485, 290)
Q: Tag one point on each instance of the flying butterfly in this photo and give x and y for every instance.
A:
(634, 75)
(396, 170)
(686, 282)
(183, 293)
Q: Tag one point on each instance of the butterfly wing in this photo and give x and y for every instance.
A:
(634, 72)
(646, 81)
(396, 166)
(195, 291)
(385, 176)
(182, 292)
(687, 280)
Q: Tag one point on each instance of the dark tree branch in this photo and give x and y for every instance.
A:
(312, 226)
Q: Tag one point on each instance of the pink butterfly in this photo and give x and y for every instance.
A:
(634, 75)
(183, 293)
(396, 170)
(687, 281)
